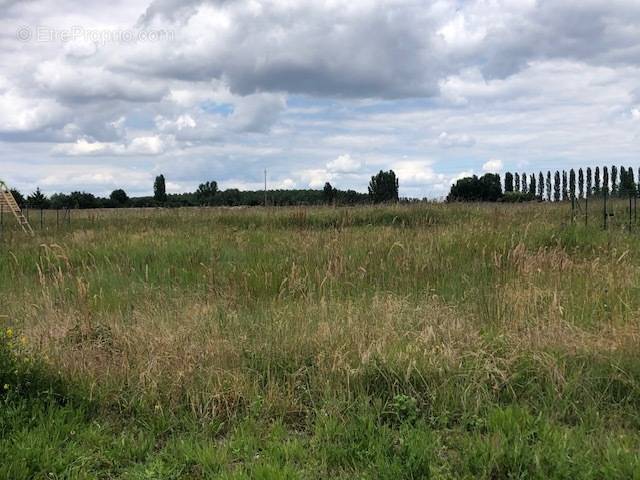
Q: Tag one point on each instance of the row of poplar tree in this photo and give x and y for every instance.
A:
(564, 186)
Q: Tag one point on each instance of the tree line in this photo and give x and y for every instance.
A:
(559, 186)
(383, 187)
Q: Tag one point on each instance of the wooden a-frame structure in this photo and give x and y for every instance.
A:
(7, 202)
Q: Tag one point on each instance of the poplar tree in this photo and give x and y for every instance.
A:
(160, 189)
(565, 190)
(589, 182)
(605, 180)
(556, 187)
(540, 186)
(596, 182)
(517, 182)
(548, 185)
(572, 183)
(627, 182)
(581, 183)
(532, 185)
(523, 182)
(614, 180)
(508, 182)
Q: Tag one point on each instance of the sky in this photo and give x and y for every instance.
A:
(99, 95)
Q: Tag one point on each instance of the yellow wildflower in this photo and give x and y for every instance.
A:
(9, 332)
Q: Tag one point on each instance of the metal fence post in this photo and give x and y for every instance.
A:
(586, 211)
(605, 213)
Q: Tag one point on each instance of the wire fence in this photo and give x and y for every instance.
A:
(602, 211)
(609, 212)
(40, 219)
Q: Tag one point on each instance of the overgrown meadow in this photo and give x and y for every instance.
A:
(420, 341)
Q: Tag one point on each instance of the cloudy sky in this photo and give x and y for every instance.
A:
(100, 95)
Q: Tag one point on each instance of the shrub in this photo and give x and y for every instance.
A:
(518, 197)
(487, 188)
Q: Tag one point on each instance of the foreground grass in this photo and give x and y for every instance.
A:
(405, 342)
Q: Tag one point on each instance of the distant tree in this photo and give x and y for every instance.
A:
(517, 182)
(605, 180)
(565, 188)
(119, 197)
(581, 183)
(487, 188)
(19, 198)
(556, 187)
(60, 200)
(508, 182)
(491, 186)
(589, 182)
(533, 188)
(383, 187)
(614, 180)
(351, 197)
(83, 200)
(622, 188)
(549, 193)
(596, 182)
(572, 183)
(523, 183)
(160, 189)
(540, 186)
(230, 197)
(206, 192)
(329, 193)
(37, 200)
(627, 182)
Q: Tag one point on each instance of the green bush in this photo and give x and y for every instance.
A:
(518, 197)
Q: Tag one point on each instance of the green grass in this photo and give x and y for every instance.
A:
(424, 341)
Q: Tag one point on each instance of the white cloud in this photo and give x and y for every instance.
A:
(257, 113)
(18, 113)
(83, 83)
(148, 145)
(80, 48)
(448, 140)
(493, 166)
(98, 179)
(344, 164)
(418, 173)
(315, 178)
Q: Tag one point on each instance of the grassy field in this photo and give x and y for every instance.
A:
(426, 341)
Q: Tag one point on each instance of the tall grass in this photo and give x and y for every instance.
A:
(491, 322)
